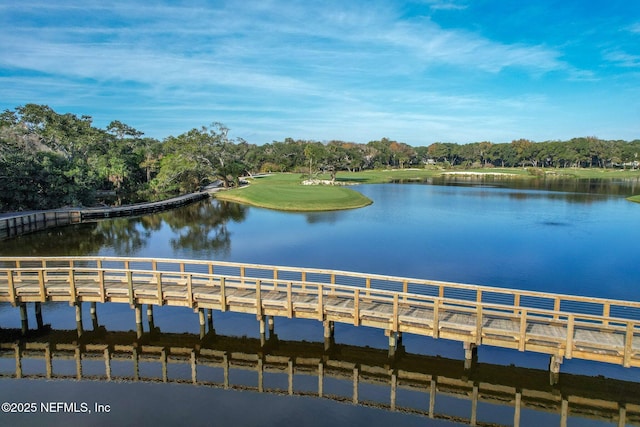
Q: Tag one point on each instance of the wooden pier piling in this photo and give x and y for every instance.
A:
(201, 321)
(39, 321)
(24, 320)
(210, 321)
(152, 325)
(94, 316)
(78, 306)
(139, 329)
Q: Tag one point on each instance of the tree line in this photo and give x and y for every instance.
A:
(48, 159)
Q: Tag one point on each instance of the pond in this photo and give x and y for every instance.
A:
(571, 237)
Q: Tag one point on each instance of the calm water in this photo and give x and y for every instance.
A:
(568, 237)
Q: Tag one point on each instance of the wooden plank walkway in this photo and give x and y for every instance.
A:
(16, 224)
(559, 325)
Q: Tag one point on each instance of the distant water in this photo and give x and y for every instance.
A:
(497, 233)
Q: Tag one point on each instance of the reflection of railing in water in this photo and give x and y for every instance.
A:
(517, 388)
(562, 326)
(18, 224)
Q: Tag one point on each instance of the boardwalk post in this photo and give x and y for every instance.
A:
(152, 325)
(78, 305)
(203, 330)
(554, 369)
(138, 310)
(263, 335)
(94, 316)
(39, 321)
(328, 334)
(392, 342)
(470, 355)
(271, 326)
(24, 320)
(210, 321)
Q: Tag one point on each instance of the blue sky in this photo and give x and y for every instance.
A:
(416, 71)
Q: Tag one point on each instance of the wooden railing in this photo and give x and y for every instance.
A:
(19, 223)
(561, 325)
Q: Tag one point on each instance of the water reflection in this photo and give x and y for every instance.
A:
(579, 188)
(426, 386)
(200, 227)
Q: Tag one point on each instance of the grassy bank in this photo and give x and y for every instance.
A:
(285, 192)
(634, 198)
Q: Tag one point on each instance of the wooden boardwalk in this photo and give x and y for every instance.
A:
(562, 326)
(18, 223)
(224, 362)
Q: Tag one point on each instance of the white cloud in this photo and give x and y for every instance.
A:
(623, 59)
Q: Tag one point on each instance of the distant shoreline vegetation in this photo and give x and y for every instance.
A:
(51, 160)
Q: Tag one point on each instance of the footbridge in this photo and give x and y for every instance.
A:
(562, 326)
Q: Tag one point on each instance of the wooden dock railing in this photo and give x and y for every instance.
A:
(23, 223)
(563, 326)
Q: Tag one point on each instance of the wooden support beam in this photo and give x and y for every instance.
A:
(138, 312)
(201, 321)
(94, 316)
(39, 321)
(79, 327)
(24, 320)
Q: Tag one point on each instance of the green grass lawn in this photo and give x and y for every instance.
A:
(634, 198)
(285, 192)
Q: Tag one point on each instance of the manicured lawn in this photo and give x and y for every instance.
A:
(285, 192)
(634, 198)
